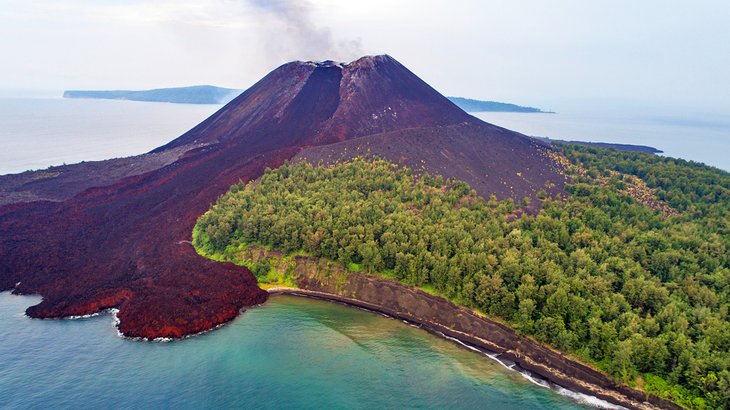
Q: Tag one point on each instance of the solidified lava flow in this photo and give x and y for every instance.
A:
(124, 242)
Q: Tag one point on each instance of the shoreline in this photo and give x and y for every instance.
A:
(537, 370)
(607, 394)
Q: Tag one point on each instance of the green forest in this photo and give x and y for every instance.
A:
(638, 291)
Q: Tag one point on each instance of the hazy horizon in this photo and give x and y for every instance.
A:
(667, 55)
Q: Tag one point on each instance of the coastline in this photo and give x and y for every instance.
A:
(538, 363)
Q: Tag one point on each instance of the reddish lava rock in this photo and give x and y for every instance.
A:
(122, 240)
(127, 244)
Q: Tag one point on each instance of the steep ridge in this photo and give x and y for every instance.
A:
(126, 244)
(379, 94)
(318, 103)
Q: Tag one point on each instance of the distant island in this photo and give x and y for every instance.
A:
(209, 94)
(470, 105)
(197, 94)
(621, 147)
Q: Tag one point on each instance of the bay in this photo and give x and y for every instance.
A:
(290, 352)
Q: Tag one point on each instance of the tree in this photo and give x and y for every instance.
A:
(261, 268)
(610, 272)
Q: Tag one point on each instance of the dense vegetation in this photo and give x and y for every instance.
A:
(641, 294)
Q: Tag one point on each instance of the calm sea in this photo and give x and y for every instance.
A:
(288, 353)
(702, 138)
(38, 132)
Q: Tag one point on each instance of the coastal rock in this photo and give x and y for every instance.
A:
(331, 281)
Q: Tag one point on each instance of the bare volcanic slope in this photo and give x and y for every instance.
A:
(62, 182)
(325, 102)
(121, 239)
(125, 242)
(300, 103)
(491, 159)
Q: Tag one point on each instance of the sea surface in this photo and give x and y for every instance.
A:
(291, 352)
(38, 132)
(698, 137)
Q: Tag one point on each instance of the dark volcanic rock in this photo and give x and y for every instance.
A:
(125, 243)
(62, 182)
(122, 239)
(306, 103)
(493, 160)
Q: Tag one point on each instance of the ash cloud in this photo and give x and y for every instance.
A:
(290, 32)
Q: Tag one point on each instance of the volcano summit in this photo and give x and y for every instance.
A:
(116, 233)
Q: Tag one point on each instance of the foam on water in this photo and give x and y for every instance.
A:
(453, 339)
(588, 400)
(585, 399)
(537, 381)
(87, 316)
(507, 364)
(116, 322)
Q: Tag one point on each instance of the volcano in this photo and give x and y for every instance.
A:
(116, 233)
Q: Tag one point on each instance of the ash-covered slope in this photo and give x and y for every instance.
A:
(124, 243)
(324, 102)
(299, 103)
(491, 159)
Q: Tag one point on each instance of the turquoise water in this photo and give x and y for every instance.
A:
(290, 352)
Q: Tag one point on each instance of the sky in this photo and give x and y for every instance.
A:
(551, 54)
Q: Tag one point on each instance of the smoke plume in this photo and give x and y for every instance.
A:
(289, 33)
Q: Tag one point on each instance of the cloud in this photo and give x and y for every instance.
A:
(286, 29)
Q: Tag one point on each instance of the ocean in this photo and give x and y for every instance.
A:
(700, 138)
(38, 132)
(290, 352)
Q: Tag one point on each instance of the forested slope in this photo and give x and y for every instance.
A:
(630, 272)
